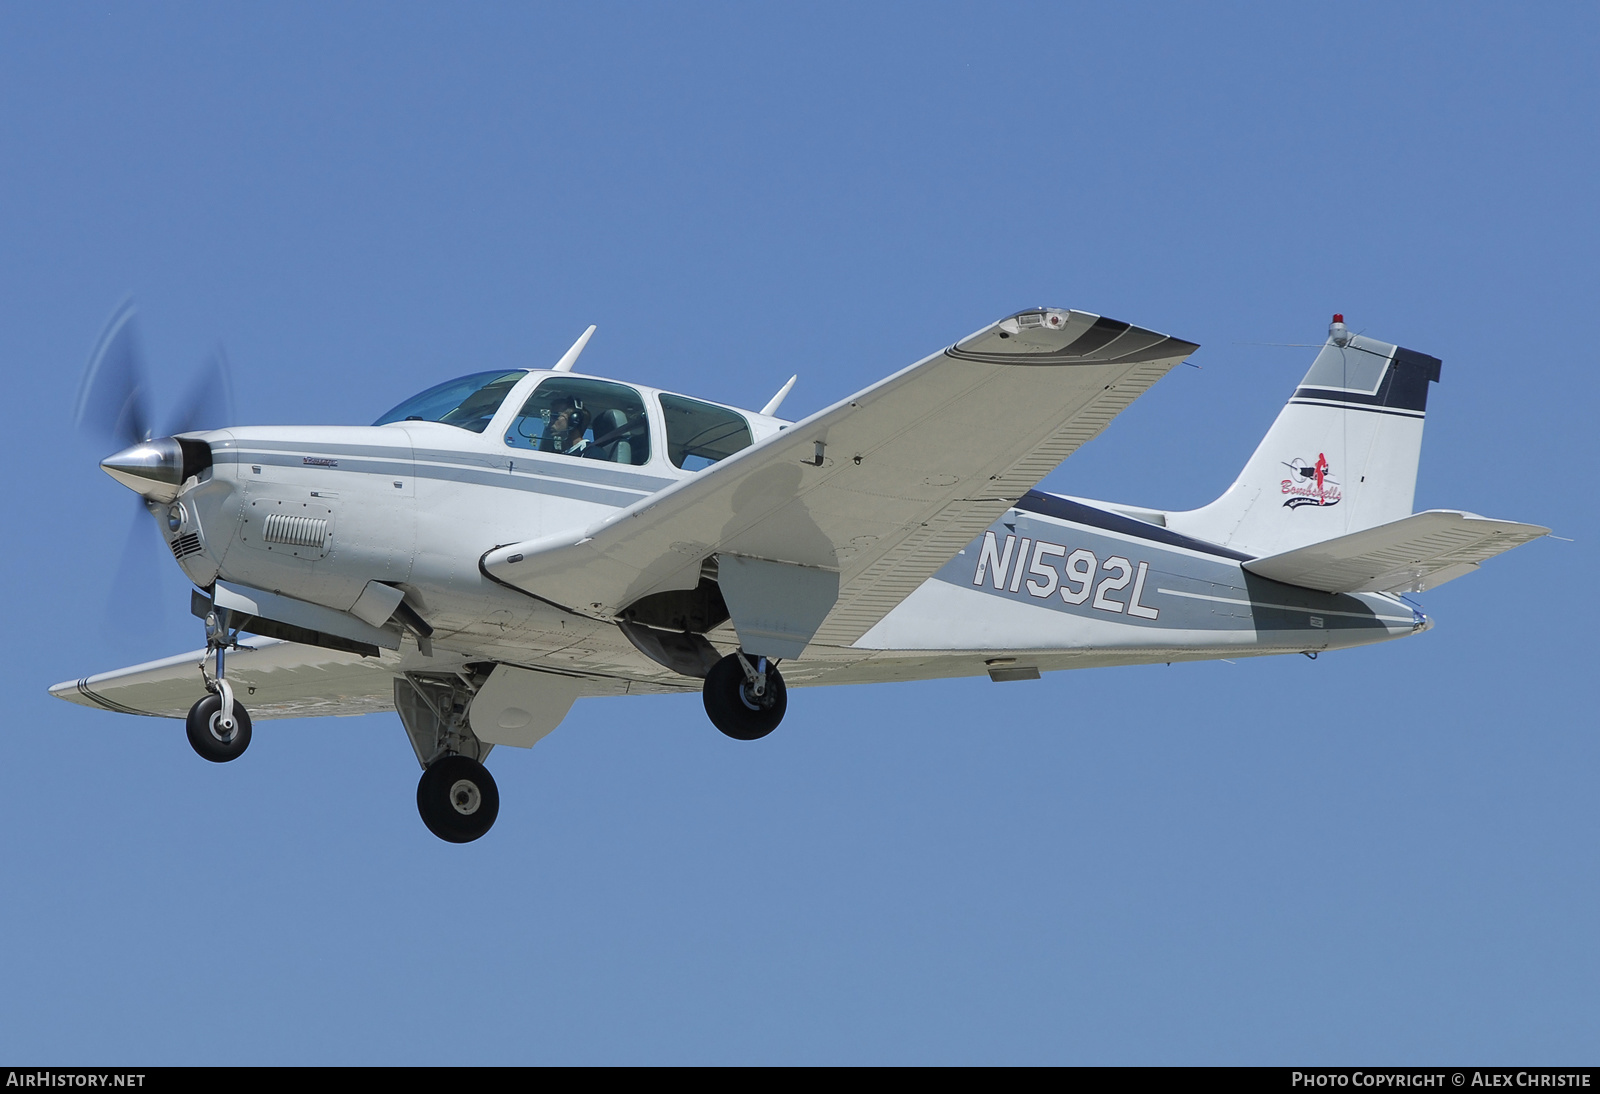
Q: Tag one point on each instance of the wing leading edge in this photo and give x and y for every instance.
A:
(881, 488)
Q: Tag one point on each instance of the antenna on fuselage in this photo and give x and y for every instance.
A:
(777, 400)
(570, 358)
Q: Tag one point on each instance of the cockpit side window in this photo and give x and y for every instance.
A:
(586, 419)
(468, 402)
(699, 434)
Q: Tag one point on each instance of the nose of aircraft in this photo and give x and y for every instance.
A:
(152, 468)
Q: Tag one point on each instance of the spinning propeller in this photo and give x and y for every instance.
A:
(113, 407)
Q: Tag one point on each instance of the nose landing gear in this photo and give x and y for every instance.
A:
(218, 725)
(744, 696)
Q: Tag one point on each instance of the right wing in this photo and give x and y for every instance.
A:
(1408, 555)
(882, 488)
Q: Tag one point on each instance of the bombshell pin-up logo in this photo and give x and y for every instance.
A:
(1310, 483)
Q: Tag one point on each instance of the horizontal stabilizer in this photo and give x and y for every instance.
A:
(1403, 556)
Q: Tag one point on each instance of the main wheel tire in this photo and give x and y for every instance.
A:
(458, 799)
(732, 708)
(209, 738)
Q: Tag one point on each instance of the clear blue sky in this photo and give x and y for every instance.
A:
(1388, 855)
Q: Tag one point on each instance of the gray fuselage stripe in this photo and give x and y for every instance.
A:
(391, 465)
(593, 471)
(501, 479)
(1286, 607)
(596, 471)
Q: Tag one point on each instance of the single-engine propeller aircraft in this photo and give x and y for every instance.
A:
(501, 545)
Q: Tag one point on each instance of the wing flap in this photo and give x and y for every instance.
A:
(1413, 554)
(883, 487)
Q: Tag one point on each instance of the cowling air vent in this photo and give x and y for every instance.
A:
(295, 531)
(186, 545)
(298, 529)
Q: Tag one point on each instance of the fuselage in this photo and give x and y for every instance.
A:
(316, 513)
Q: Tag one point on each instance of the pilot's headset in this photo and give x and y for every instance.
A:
(577, 418)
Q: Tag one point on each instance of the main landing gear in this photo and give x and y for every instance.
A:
(456, 795)
(218, 725)
(745, 696)
(458, 799)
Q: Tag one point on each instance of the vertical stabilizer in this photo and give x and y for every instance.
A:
(1342, 456)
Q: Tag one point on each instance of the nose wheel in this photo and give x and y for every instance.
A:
(745, 696)
(214, 737)
(458, 799)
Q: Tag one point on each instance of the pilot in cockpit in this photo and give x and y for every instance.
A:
(568, 421)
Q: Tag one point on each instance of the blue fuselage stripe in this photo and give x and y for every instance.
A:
(1049, 505)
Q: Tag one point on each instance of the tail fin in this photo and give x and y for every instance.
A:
(1342, 456)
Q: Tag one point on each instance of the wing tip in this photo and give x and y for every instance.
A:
(1061, 336)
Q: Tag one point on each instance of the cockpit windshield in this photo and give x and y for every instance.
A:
(467, 401)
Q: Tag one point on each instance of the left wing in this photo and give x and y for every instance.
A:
(275, 679)
(880, 489)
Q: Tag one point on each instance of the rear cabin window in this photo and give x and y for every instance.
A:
(699, 434)
(584, 419)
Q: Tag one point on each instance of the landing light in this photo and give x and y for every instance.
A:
(1052, 319)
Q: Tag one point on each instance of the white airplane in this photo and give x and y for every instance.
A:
(501, 545)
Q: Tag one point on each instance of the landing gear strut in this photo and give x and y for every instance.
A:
(745, 696)
(218, 725)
